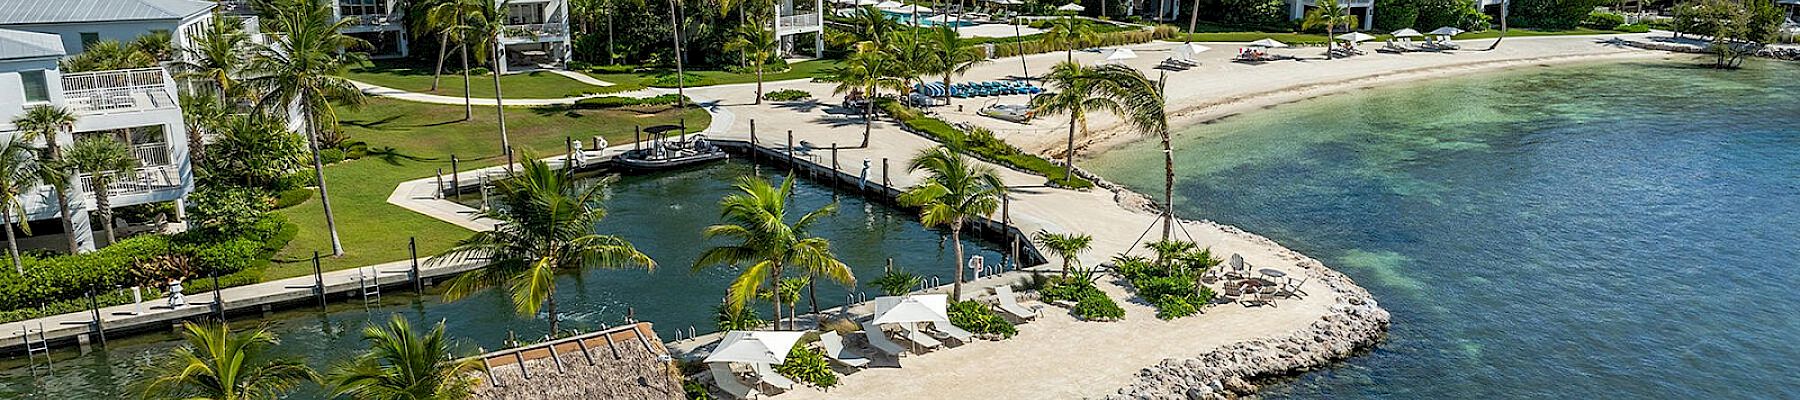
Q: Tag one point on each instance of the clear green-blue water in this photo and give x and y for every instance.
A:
(661, 213)
(1585, 231)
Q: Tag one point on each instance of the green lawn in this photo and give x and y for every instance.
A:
(529, 85)
(1293, 38)
(374, 231)
(799, 70)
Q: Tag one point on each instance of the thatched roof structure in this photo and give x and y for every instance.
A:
(625, 362)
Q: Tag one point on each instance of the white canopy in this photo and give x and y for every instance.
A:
(944, 18)
(1119, 54)
(914, 308)
(911, 9)
(889, 5)
(1268, 42)
(1187, 51)
(1355, 37)
(1408, 32)
(1447, 31)
(1071, 7)
(757, 347)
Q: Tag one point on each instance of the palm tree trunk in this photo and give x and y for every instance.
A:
(611, 59)
(62, 196)
(104, 201)
(12, 242)
(812, 292)
(443, 44)
(468, 100)
(312, 143)
(759, 82)
(499, 104)
(1330, 41)
(1168, 187)
(1069, 154)
(550, 307)
(956, 237)
(1193, 21)
(868, 119)
(1504, 5)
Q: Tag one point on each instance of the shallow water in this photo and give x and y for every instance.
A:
(661, 213)
(1583, 231)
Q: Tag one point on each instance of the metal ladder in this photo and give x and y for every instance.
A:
(32, 348)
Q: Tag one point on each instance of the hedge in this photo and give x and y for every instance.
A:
(620, 101)
(1105, 39)
(982, 144)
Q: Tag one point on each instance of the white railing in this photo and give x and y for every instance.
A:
(533, 31)
(101, 91)
(801, 21)
(375, 20)
(152, 155)
(148, 179)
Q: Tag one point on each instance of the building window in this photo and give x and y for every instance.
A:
(37, 90)
(88, 39)
(362, 7)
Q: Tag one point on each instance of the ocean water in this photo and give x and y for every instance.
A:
(1624, 230)
(661, 213)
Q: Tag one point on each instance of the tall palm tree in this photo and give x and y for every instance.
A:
(1070, 34)
(105, 161)
(19, 171)
(217, 364)
(756, 44)
(957, 56)
(766, 244)
(440, 17)
(217, 55)
(401, 364)
(1078, 91)
(46, 122)
(1329, 14)
(545, 226)
(912, 57)
(868, 24)
(202, 115)
(866, 71)
(1505, 6)
(303, 68)
(1067, 246)
(954, 190)
(484, 22)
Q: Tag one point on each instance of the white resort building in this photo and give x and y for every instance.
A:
(382, 23)
(1364, 10)
(536, 37)
(136, 106)
(793, 21)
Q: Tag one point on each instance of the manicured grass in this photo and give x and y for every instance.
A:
(374, 231)
(800, 70)
(1314, 38)
(528, 85)
(982, 144)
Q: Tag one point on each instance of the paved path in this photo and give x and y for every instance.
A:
(581, 77)
(383, 91)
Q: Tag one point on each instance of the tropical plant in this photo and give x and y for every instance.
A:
(545, 219)
(1069, 34)
(105, 161)
(225, 209)
(107, 55)
(758, 46)
(253, 151)
(19, 173)
(1112, 88)
(45, 122)
(864, 73)
(976, 317)
(897, 282)
(743, 319)
(787, 291)
(765, 244)
(217, 364)
(1066, 246)
(808, 365)
(202, 116)
(955, 189)
(1329, 14)
(216, 56)
(158, 44)
(957, 56)
(868, 24)
(1097, 306)
(303, 68)
(402, 364)
(787, 95)
(483, 26)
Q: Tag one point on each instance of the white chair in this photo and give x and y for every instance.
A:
(728, 381)
(880, 341)
(918, 337)
(834, 349)
(767, 376)
(1009, 303)
(954, 332)
(1292, 288)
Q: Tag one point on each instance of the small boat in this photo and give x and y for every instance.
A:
(664, 152)
(1016, 113)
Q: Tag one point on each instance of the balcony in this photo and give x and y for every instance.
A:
(518, 33)
(157, 171)
(374, 22)
(118, 91)
(801, 23)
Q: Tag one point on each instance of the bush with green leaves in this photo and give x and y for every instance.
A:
(740, 320)
(1097, 306)
(787, 95)
(973, 316)
(897, 282)
(695, 390)
(596, 103)
(225, 209)
(982, 144)
(806, 365)
(1602, 20)
(1633, 28)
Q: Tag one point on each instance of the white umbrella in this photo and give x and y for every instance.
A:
(1355, 37)
(1406, 33)
(1119, 54)
(1268, 42)
(889, 5)
(1071, 7)
(1187, 51)
(756, 347)
(1447, 31)
(914, 308)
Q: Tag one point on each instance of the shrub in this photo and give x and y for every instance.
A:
(1633, 28)
(226, 210)
(976, 317)
(1097, 306)
(331, 156)
(292, 197)
(787, 95)
(670, 80)
(596, 103)
(982, 144)
(745, 319)
(695, 390)
(897, 282)
(1058, 289)
(1174, 307)
(808, 366)
(612, 69)
(1602, 20)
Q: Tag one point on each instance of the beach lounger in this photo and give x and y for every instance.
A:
(1009, 304)
(961, 336)
(919, 337)
(767, 376)
(1292, 288)
(835, 350)
(728, 382)
(880, 341)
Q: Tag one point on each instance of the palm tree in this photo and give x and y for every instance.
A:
(866, 71)
(202, 115)
(1329, 14)
(105, 161)
(440, 17)
(403, 365)
(19, 171)
(911, 58)
(756, 220)
(545, 226)
(758, 45)
(108, 55)
(1170, 252)
(1069, 33)
(45, 122)
(303, 68)
(868, 24)
(958, 56)
(158, 44)
(483, 24)
(217, 55)
(217, 364)
(954, 190)
(1505, 6)
(1067, 246)
(1078, 91)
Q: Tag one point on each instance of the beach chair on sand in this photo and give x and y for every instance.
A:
(834, 350)
(728, 382)
(1292, 288)
(920, 338)
(954, 332)
(767, 376)
(1009, 303)
(880, 341)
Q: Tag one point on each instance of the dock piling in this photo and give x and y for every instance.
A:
(412, 247)
(455, 179)
(318, 280)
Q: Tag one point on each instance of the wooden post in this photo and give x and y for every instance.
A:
(884, 173)
(752, 139)
(218, 296)
(509, 161)
(318, 280)
(790, 151)
(834, 168)
(455, 178)
(684, 129)
(440, 185)
(412, 247)
(99, 325)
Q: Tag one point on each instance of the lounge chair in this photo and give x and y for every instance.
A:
(879, 340)
(728, 382)
(919, 337)
(835, 350)
(949, 329)
(767, 376)
(1009, 304)
(1292, 288)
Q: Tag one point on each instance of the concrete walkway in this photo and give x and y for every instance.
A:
(581, 77)
(383, 91)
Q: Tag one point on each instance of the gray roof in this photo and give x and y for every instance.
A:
(14, 12)
(20, 44)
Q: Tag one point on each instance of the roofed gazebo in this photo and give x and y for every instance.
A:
(625, 362)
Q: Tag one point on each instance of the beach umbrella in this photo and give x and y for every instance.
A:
(755, 347)
(889, 5)
(1119, 54)
(1187, 51)
(1355, 37)
(912, 309)
(1447, 31)
(1406, 33)
(1071, 7)
(1268, 42)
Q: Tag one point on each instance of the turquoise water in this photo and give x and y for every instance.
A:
(661, 213)
(1585, 231)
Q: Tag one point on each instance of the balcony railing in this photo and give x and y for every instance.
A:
(375, 20)
(797, 22)
(534, 31)
(117, 90)
(147, 179)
